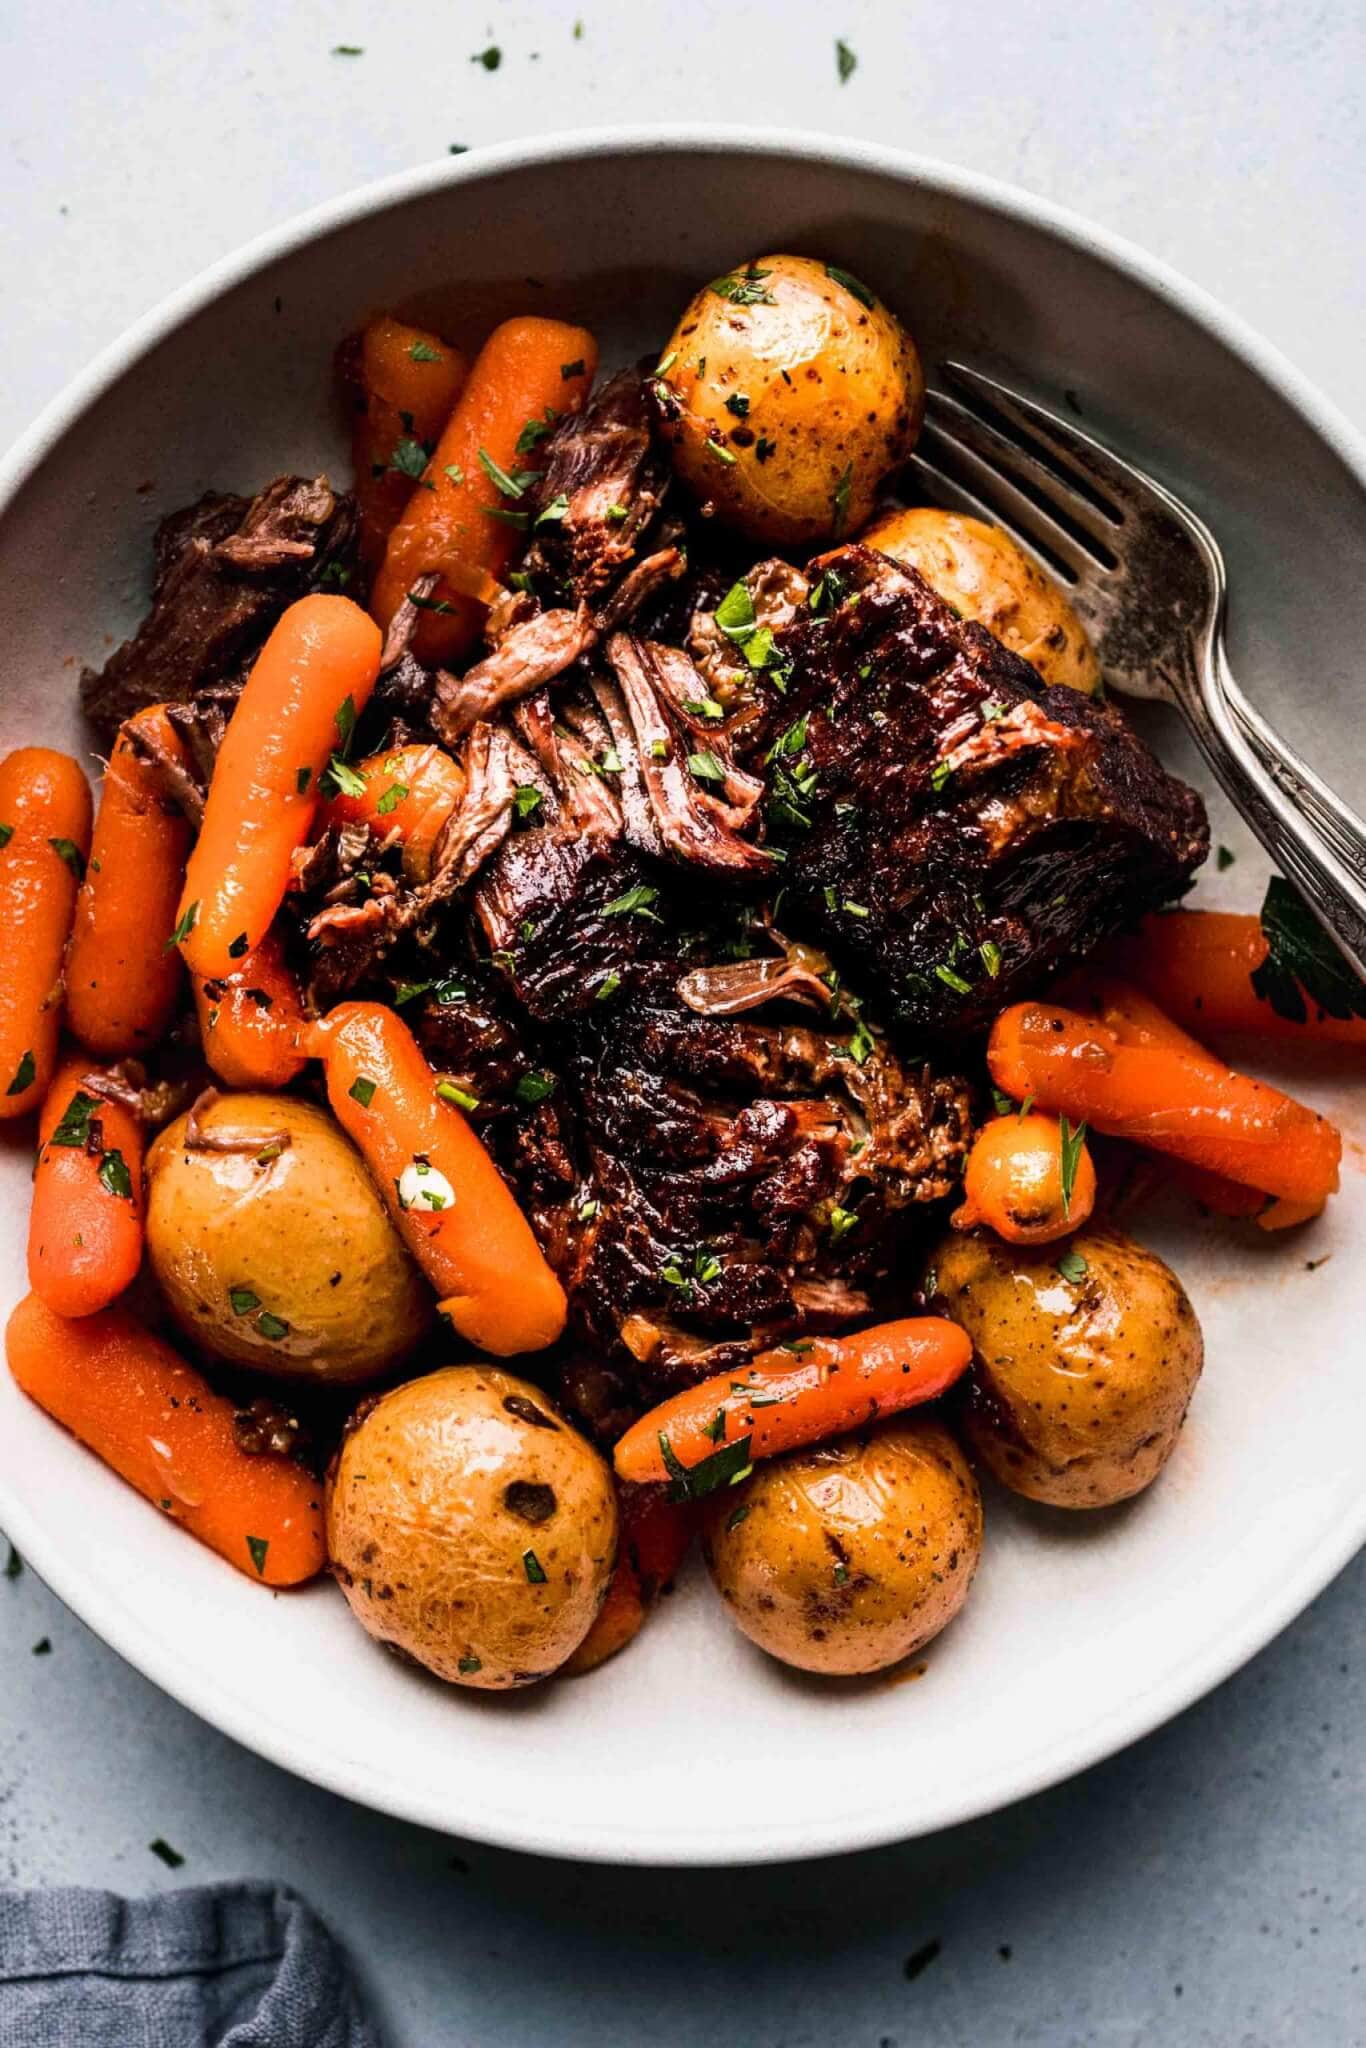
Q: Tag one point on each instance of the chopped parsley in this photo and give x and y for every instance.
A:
(724, 1467)
(763, 448)
(1302, 966)
(362, 1090)
(423, 352)
(14, 1564)
(408, 458)
(991, 957)
(635, 903)
(1224, 857)
(534, 431)
(172, 1858)
(846, 62)
(258, 1546)
(534, 1088)
(440, 605)
(574, 369)
(738, 404)
(719, 449)
(1070, 1142)
(391, 799)
(1071, 1266)
(453, 471)
(272, 1326)
(114, 1176)
(6, 834)
(526, 798)
(608, 986)
(469, 1665)
(706, 767)
(242, 1301)
(68, 851)
(23, 1075)
(302, 778)
(534, 1569)
(490, 58)
(345, 721)
(745, 288)
(510, 483)
(340, 778)
(74, 1128)
(952, 979)
(842, 1221)
(343, 50)
(851, 284)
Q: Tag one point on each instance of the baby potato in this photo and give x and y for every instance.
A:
(1084, 1362)
(471, 1528)
(787, 392)
(847, 1558)
(272, 1246)
(983, 574)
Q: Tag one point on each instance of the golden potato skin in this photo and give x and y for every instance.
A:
(849, 1557)
(980, 571)
(305, 1233)
(1079, 1386)
(784, 415)
(471, 1527)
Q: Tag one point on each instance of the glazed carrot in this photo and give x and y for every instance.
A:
(122, 977)
(792, 1396)
(1198, 965)
(85, 1225)
(411, 791)
(44, 840)
(1027, 1178)
(655, 1534)
(447, 1198)
(311, 680)
(527, 370)
(1136, 1021)
(1195, 1109)
(405, 382)
(137, 1405)
(251, 1021)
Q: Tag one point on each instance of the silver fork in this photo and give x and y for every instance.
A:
(1147, 579)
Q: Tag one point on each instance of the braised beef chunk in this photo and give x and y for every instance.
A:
(721, 1183)
(603, 481)
(225, 568)
(955, 831)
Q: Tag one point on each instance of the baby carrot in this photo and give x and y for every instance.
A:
(85, 1225)
(1135, 1021)
(1199, 964)
(137, 1405)
(44, 839)
(410, 790)
(654, 1539)
(465, 518)
(405, 383)
(708, 1435)
(1195, 1109)
(311, 680)
(122, 977)
(251, 1021)
(1028, 1178)
(447, 1198)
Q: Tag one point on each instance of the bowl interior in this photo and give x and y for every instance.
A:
(1082, 1631)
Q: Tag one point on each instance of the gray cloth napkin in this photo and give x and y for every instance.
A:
(218, 1966)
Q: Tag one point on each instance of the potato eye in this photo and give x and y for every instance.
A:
(530, 1500)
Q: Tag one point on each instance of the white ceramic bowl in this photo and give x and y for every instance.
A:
(1081, 1632)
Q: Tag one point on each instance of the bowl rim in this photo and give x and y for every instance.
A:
(706, 1843)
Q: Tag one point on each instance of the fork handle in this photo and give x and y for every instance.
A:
(1338, 823)
(1335, 894)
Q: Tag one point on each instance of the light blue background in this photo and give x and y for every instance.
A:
(1205, 1888)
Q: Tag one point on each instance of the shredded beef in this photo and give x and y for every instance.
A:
(226, 568)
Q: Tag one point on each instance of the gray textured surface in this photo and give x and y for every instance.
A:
(1209, 1887)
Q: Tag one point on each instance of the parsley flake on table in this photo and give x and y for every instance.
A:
(172, 1858)
(490, 58)
(846, 62)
